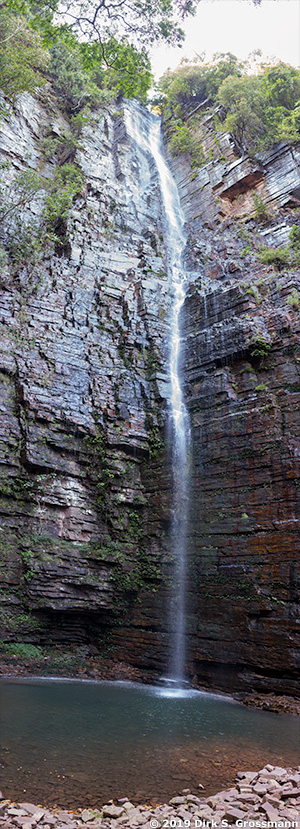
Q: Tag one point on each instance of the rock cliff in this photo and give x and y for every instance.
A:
(241, 367)
(84, 497)
(85, 482)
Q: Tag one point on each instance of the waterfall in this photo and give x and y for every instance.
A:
(145, 130)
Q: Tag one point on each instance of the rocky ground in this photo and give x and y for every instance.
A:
(267, 798)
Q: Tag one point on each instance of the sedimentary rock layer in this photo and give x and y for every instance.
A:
(86, 486)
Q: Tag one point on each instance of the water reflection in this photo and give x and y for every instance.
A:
(80, 742)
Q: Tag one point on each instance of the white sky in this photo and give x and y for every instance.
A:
(239, 27)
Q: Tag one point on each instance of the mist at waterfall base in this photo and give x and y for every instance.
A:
(144, 128)
(80, 743)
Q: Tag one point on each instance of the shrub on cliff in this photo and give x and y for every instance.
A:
(24, 240)
(262, 109)
(23, 59)
(193, 85)
(256, 109)
(73, 86)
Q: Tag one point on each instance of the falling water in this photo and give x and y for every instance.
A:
(145, 129)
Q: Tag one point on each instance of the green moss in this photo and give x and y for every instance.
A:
(155, 441)
(260, 348)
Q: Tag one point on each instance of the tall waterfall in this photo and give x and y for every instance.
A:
(145, 130)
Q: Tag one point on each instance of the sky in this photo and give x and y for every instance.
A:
(240, 27)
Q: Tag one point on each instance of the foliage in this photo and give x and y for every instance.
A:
(73, 86)
(82, 69)
(24, 241)
(66, 183)
(258, 110)
(62, 148)
(118, 68)
(262, 214)
(295, 237)
(295, 245)
(262, 109)
(193, 84)
(27, 557)
(21, 240)
(140, 22)
(243, 101)
(185, 94)
(24, 650)
(23, 60)
(183, 140)
(293, 299)
(279, 257)
(261, 347)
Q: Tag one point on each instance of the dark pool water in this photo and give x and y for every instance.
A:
(77, 743)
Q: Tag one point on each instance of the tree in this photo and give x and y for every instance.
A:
(123, 70)
(139, 22)
(194, 82)
(23, 60)
(243, 100)
(262, 109)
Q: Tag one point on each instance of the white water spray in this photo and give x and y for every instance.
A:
(144, 128)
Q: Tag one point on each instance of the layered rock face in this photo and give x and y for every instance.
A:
(84, 493)
(241, 366)
(85, 480)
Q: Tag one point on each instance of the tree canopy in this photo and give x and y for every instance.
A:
(141, 22)
(258, 109)
(109, 34)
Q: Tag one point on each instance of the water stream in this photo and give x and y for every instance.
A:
(145, 130)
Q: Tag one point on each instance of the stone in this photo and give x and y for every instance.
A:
(30, 808)
(269, 810)
(260, 788)
(112, 811)
(232, 814)
(15, 812)
(177, 801)
(87, 815)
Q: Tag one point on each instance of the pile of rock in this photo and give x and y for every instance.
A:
(259, 800)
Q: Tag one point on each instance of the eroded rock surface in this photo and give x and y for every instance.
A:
(85, 480)
(241, 367)
(83, 363)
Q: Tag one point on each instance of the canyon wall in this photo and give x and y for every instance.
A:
(242, 380)
(85, 502)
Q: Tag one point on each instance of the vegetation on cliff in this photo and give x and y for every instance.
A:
(257, 109)
(88, 47)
